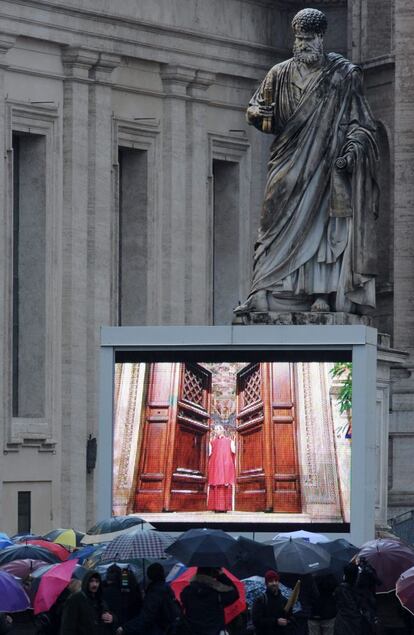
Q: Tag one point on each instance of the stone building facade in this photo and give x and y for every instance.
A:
(130, 191)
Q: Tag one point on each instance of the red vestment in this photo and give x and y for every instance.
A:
(221, 475)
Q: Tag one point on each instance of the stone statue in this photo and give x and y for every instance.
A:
(316, 244)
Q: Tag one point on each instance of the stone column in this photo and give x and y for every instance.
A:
(404, 177)
(402, 399)
(75, 365)
(198, 228)
(6, 43)
(172, 284)
(100, 255)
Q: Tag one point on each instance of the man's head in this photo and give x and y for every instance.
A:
(155, 572)
(272, 581)
(309, 26)
(219, 430)
(93, 583)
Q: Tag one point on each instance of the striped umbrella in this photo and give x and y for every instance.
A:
(138, 544)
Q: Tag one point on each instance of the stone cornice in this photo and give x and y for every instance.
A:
(78, 60)
(156, 42)
(7, 42)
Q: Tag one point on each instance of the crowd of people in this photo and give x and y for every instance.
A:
(118, 606)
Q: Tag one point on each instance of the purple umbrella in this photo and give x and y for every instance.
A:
(22, 568)
(390, 558)
(13, 597)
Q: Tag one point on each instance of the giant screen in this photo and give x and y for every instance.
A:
(232, 441)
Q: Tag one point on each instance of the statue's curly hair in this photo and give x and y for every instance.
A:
(310, 21)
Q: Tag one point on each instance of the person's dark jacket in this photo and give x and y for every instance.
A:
(125, 604)
(5, 626)
(82, 612)
(157, 614)
(348, 619)
(204, 601)
(267, 609)
(324, 603)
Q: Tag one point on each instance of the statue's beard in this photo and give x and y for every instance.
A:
(310, 56)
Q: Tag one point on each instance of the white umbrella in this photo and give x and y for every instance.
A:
(310, 536)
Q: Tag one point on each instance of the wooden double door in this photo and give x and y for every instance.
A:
(173, 453)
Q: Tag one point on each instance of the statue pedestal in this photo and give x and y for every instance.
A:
(302, 318)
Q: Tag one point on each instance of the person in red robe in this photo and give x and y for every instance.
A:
(221, 472)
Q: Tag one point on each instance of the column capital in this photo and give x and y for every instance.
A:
(7, 41)
(202, 81)
(103, 68)
(176, 79)
(78, 60)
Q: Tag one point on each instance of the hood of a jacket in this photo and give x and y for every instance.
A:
(85, 583)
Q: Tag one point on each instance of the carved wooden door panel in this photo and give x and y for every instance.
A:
(252, 457)
(157, 422)
(285, 470)
(186, 485)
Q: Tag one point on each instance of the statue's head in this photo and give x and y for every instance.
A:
(309, 26)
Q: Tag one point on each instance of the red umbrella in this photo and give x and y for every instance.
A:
(230, 612)
(390, 558)
(53, 547)
(52, 584)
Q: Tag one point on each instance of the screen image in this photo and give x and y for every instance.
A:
(232, 441)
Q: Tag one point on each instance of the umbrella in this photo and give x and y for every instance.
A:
(205, 548)
(255, 586)
(110, 528)
(136, 545)
(13, 598)
(404, 589)
(5, 542)
(341, 552)
(230, 612)
(52, 584)
(57, 550)
(22, 568)
(65, 537)
(32, 552)
(83, 553)
(389, 558)
(310, 536)
(24, 537)
(253, 558)
(299, 557)
(4, 536)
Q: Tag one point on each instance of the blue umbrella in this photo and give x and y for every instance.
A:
(5, 542)
(32, 552)
(13, 598)
(83, 553)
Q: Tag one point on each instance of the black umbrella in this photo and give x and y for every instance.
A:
(299, 556)
(32, 552)
(341, 552)
(205, 548)
(106, 530)
(253, 558)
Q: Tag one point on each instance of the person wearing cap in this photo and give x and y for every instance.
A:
(268, 614)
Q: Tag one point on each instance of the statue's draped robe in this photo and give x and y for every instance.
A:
(317, 225)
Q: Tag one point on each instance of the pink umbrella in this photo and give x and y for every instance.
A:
(22, 568)
(52, 584)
